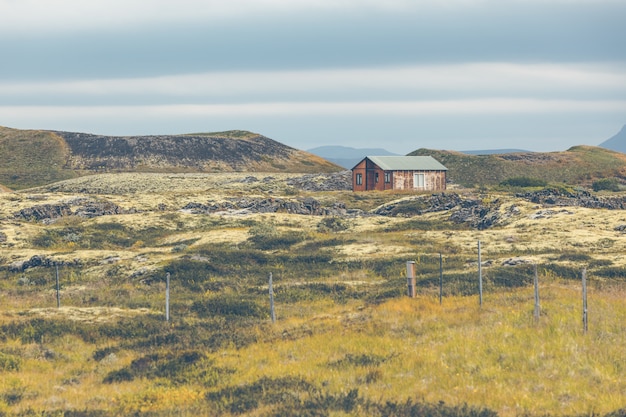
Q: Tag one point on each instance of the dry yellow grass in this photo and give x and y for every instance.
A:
(494, 357)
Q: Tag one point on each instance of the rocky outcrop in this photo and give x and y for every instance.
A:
(44, 211)
(472, 212)
(305, 206)
(419, 205)
(36, 261)
(476, 215)
(582, 198)
(85, 208)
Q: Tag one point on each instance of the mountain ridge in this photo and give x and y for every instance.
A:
(37, 157)
(616, 142)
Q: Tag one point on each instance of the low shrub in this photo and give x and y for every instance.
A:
(290, 397)
(229, 305)
(574, 257)
(364, 360)
(9, 362)
(13, 395)
(611, 272)
(266, 236)
(561, 271)
(523, 182)
(339, 293)
(607, 184)
(511, 277)
(333, 224)
(176, 368)
(426, 225)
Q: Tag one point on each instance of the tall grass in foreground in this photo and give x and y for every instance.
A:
(330, 356)
(495, 357)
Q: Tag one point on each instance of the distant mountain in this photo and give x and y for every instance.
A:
(494, 151)
(580, 165)
(617, 142)
(30, 158)
(347, 157)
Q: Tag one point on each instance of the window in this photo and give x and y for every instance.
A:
(359, 179)
(418, 181)
(376, 178)
(387, 177)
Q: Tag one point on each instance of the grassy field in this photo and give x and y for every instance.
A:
(347, 340)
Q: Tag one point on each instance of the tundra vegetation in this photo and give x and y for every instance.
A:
(347, 340)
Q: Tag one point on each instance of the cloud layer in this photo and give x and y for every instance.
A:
(549, 73)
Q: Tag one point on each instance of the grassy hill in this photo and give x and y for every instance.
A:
(578, 165)
(31, 158)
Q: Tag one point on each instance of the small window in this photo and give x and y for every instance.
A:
(376, 178)
(418, 181)
(387, 177)
(359, 179)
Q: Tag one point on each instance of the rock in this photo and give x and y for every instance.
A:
(139, 273)
(45, 211)
(110, 260)
(36, 261)
(546, 214)
(515, 261)
(98, 208)
(476, 215)
(109, 359)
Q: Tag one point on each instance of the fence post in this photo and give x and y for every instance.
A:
(440, 278)
(537, 306)
(585, 315)
(58, 286)
(410, 278)
(272, 311)
(480, 277)
(167, 297)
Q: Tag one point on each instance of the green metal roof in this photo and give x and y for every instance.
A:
(407, 163)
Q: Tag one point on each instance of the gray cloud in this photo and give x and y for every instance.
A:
(458, 74)
(504, 32)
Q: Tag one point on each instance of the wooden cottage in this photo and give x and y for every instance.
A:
(419, 173)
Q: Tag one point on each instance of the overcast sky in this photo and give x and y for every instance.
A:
(541, 75)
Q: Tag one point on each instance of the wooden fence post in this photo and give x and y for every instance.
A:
(480, 277)
(537, 306)
(58, 286)
(440, 278)
(167, 297)
(410, 278)
(585, 312)
(272, 311)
